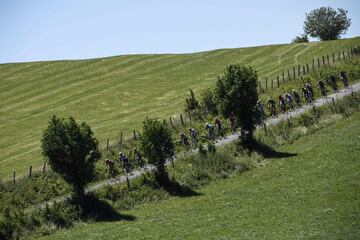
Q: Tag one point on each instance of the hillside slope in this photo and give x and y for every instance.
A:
(115, 94)
(310, 195)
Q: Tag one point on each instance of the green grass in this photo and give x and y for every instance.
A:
(115, 94)
(313, 195)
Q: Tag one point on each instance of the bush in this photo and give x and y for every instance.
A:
(300, 39)
(208, 103)
(60, 214)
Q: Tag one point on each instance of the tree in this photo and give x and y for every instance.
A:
(191, 102)
(236, 94)
(326, 23)
(72, 152)
(157, 146)
(208, 102)
(300, 39)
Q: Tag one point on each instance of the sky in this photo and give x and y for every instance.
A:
(38, 30)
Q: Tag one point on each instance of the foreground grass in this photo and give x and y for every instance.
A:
(115, 94)
(311, 195)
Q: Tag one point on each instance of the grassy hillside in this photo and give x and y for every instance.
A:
(312, 195)
(114, 94)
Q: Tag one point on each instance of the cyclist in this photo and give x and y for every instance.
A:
(282, 103)
(260, 109)
(125, 163)
(296, 97)
(306, 95)
(289, 101)
(110, 166)
(185, 141)
(322, 88)
(310, 91)
(138, 159)
(194, 135)
(211, 131)
(332, 82)
(218, 124)
(272, 107)
(344, 78)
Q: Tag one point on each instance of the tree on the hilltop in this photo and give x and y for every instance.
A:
(326, 23)
(236, 94)
(157, 146)
(72, 152)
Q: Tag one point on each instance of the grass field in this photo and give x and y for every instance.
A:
(115, 94)
(311, 195)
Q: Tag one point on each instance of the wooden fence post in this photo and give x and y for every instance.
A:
(30, 171)
(318, 62)
(298, 70)
(277, 81)
(283, 77)
(328, 59)
(323, 60)
(121, 138)
(313, 64)
(14, 175)
(304, 70)
(134, 134)
(190, 112)
(294, 73)
(182, 120)
(44, 168)
(348, 53)
(107, 144)
(343, 56)
(272, 84)
(289, 77)
(333, 57)
(339, 56)
(128, 182)
(265, 129)
(171, 122)
(307, 68)
(266, 84)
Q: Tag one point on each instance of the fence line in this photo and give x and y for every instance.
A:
(187, 118)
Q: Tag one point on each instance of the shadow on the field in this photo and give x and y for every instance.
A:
(268, 152)
(102, 211)
(174, 188)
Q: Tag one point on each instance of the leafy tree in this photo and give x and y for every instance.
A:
(191, 102)
(236, 94)
(72, 152)
(300, 39)
(208, 102)
(157, 146)
(326, 23)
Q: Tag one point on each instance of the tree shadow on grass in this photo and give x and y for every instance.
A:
(102, 211)
(268, 152)
(176, 189)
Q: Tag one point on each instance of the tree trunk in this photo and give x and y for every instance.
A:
(79, 194)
